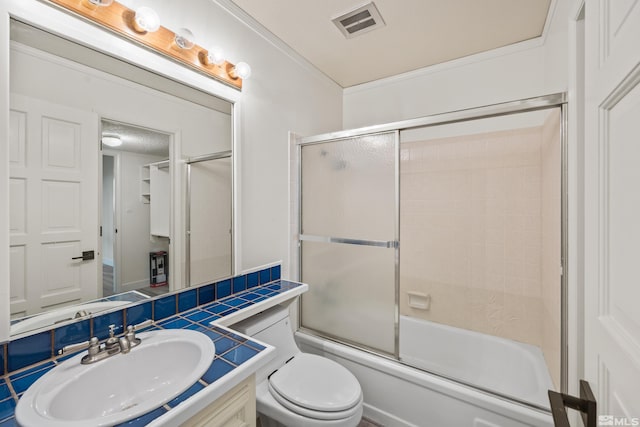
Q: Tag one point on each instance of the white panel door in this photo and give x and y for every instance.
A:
(53, 205)
(612, 206)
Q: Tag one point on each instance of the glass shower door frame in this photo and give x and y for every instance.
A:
(389, 244)
(520, 106)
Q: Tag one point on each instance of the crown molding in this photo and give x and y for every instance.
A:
(234, 10)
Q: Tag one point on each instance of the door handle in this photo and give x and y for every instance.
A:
(86, 256)
(586, 404)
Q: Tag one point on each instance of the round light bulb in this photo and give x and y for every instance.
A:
(146, 20)
(215, 55)
(185, 39)
(242, 70)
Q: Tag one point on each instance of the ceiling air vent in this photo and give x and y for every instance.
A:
(359, 21)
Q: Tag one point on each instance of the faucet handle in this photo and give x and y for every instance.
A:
(112, 330)
(131, 335)
(92, 344)
(144, 324)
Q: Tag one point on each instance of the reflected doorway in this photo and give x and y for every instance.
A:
(109, 231)
(135, 207)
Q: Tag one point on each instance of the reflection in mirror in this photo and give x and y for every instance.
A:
(65, 191)
(135, 223)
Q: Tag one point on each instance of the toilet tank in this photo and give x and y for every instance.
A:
(272, 327)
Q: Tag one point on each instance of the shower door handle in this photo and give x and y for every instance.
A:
(391, 244)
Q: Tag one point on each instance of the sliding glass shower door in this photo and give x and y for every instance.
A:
(474, 201)
(348, 236)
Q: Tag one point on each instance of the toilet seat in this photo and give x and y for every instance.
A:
(316, 387)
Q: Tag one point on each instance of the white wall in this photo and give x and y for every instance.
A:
(108, 166)
(529, 69)
(132, 263)
(283, 94)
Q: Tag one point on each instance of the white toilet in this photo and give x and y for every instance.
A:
(299, 389)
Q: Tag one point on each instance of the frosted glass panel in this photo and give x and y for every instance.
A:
(348, 188)
(480, 233)
(210, 220)
(351, 293)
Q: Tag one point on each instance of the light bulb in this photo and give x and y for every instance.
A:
(215, 55)
(146, 20)
(242, 70)
(112, 140)
(185, 39)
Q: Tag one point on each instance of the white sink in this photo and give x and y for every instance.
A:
(121, 387)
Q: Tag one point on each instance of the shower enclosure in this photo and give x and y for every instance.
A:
(439, 242)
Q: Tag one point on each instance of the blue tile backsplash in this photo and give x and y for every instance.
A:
(71, 334)
(21, 360)
(239, 284)
(29, 350)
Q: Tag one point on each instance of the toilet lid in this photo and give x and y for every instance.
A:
(316, 383)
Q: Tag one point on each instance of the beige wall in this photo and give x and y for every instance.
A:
(471, 232)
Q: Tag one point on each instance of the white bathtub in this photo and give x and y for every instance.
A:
(398, 395)
(506, 367)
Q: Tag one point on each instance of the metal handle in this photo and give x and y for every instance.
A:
(86, 256)
(586, 404)
(143, 324)
(72, 348)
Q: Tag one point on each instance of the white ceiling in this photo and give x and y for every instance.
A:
(137, 140)
(418, 33)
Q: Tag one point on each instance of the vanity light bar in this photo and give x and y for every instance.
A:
(120, 19)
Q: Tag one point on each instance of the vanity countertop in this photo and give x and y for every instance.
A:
(237, 356)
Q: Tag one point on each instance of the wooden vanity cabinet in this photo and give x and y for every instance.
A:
(236, 408)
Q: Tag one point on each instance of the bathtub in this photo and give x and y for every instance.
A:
(504, 366)
(396, 394)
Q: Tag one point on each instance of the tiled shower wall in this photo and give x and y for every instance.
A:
(551, 244)
(475, 233)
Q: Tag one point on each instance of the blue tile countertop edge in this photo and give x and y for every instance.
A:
(233, 351)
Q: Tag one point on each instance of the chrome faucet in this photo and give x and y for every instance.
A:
(111, 346)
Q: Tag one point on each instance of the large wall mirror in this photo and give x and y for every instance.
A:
(111, 169)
